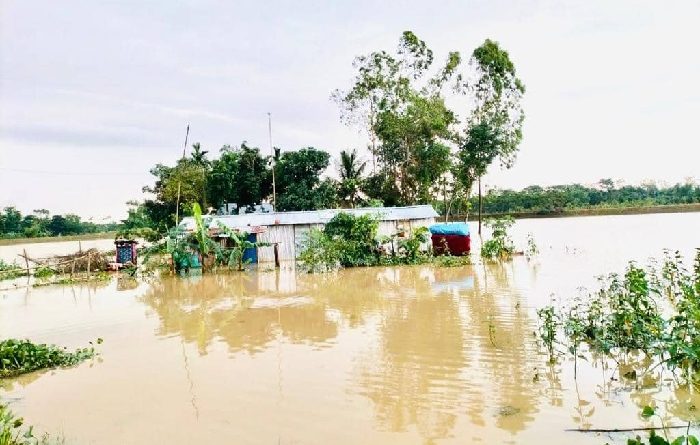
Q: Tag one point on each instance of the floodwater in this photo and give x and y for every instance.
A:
(400, 355)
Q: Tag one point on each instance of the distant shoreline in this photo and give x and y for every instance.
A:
(54, 239)
(596, 211)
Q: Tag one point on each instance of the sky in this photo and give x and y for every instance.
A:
(93, 94)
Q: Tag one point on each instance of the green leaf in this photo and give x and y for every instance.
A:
(693, 440)
(647, 412)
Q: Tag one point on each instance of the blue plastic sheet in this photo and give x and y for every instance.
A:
(457, 228)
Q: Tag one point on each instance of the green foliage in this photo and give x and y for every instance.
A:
(350, 241)
(355, 239)
(299, 186)
(240, 175)
(655, 313)
(559, 198)
(38, 224)
(655, 439)
(22, 356)
(319, 253)
(500, 246)
(494, 129)
(549, 325)
(351, 183)
(410, 248)
(10, 271)
(13, 432)
(398, 101)
(532, 250)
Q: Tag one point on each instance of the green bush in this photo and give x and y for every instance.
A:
(500, 246)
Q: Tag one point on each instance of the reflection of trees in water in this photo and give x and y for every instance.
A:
(433, 359)
(223, 307)
(452, 341)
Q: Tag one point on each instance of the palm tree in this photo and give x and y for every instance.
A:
(199, 156)
(350, 169)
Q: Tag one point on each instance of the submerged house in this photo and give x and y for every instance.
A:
(288, 230)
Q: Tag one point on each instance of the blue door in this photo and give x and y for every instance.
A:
(251, 255)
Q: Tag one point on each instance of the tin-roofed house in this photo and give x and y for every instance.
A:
(288, 230)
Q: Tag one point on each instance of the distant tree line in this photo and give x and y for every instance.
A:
(559, 198)
(40, 223)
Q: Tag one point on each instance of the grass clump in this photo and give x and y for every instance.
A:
(22, 356)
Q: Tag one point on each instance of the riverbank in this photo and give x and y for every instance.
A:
(53, 239)
(594, 211)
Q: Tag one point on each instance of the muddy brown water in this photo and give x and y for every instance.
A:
(400, 355)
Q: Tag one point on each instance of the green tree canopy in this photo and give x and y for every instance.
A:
(299, 184)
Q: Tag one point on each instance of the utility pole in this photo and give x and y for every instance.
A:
(272, 150)
(177, 203)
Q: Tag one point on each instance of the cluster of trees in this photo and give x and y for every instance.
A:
(555, 199)
(422, 149)
(40, 223)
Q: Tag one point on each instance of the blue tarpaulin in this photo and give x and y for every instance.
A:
(457, 228)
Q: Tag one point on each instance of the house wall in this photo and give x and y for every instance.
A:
(292, 237)
(282, 234)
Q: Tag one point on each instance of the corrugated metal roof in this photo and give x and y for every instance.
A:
(314, 216)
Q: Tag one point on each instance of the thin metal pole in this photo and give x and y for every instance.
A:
(177, 202)
(272, 150)
(184, 148)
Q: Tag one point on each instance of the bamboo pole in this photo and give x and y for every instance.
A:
(88, 266)
(26, 261)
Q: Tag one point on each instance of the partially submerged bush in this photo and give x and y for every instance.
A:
(500, 246)
(349, 241)
(655, 313)
(22, 356)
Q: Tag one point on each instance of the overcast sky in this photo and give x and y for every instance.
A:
(94, 93)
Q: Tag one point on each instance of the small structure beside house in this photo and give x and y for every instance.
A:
(126, 252)
(287, 231)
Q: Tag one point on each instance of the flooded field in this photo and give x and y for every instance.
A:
(401, 355)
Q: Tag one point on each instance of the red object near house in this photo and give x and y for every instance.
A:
(456, 245)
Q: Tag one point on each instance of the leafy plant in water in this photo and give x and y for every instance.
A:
(655, 439)
(532, 250)
(549, 325)
(500, 246)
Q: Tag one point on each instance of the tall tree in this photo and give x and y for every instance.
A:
(199, 156)
(241, 175)
(401, 105)
(495, 127)
(350, 169)
(299, 184)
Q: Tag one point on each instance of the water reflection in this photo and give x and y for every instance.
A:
(438, 342)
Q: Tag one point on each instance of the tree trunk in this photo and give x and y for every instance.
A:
(480, 205)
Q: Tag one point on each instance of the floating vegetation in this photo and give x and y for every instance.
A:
(22, 356)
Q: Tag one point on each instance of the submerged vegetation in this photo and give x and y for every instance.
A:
(22, 356)
(646, 322)
(13, 431)
(500, 246)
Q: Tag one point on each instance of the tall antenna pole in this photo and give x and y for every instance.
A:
(272, 150)
(177, 202)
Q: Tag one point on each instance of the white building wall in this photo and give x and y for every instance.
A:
(291, 237)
